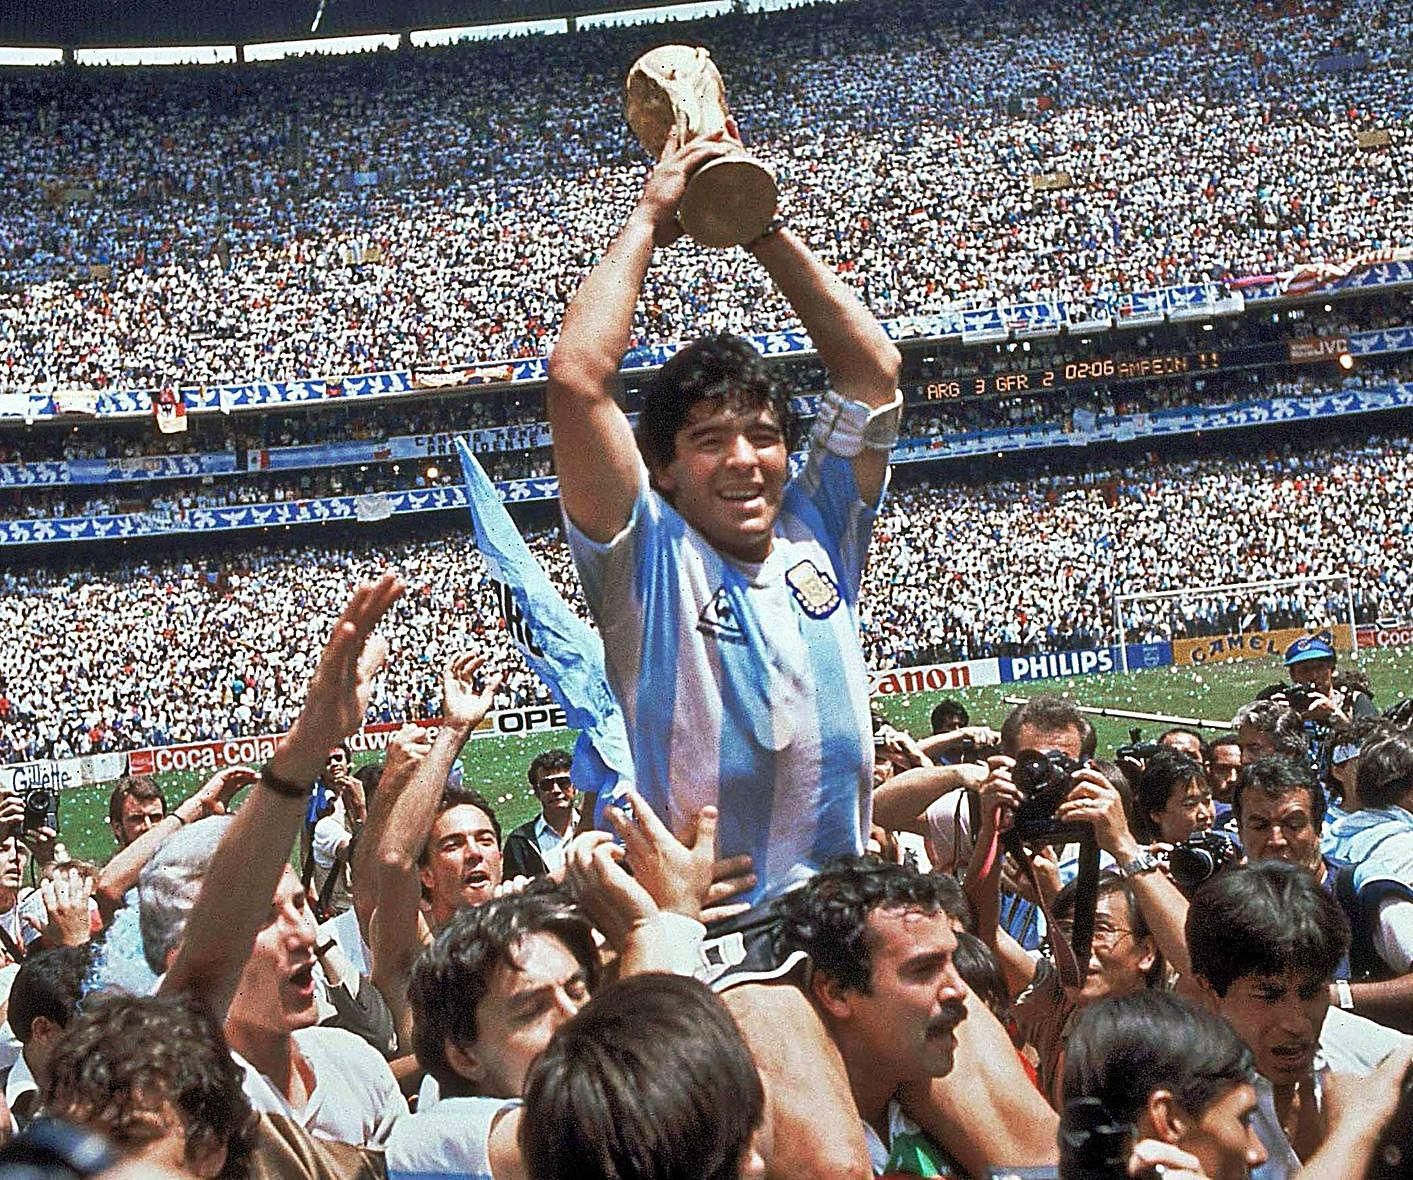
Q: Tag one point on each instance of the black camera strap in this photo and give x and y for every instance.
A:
(1072, 957)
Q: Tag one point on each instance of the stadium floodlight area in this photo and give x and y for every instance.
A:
(14, 55)
(274, 50)
(157, 55)
(1319, 602)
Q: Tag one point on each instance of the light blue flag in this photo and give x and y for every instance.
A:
(563, 650)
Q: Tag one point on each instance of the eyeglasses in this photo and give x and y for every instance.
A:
(561, 782)
(1106, 937)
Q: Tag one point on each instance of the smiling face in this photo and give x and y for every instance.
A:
(727, 476)
(276, 990)
(1119, 959)
(462, 864)
(1279, 1017)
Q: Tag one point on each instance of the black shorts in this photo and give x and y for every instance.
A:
(748, 952)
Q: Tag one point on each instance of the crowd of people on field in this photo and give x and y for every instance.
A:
(149, 652)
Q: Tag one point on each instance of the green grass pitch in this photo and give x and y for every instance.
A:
(496, 766)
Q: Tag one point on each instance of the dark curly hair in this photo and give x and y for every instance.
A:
(124, 1060)
(453, 974)
(827, 917)
(722, 369)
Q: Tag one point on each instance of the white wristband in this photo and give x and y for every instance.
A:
(845, 427)
(683, 937)
(1346, 997)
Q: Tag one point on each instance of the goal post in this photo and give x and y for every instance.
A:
(1326, 602)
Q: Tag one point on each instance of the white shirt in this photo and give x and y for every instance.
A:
(1350, 1043)
(355, 1097)
(452, 1140)
(1393, 936)
(551, 844)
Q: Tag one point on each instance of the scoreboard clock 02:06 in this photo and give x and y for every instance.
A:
(1102, 370)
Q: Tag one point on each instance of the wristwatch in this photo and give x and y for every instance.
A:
(1144, 862)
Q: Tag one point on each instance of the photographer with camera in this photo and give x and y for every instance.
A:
(1138, 914)
(1174, 814)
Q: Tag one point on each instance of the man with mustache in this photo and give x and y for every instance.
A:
(885, 985)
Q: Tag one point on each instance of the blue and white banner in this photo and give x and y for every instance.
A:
(1202, 302)
(984, 326)
(1139, 309)
(97, 471)
(1033, 320)
(1185, 420)
(561, 649)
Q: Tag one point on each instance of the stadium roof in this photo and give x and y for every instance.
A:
(199, 22)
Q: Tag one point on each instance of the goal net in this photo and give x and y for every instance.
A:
(1239, 620)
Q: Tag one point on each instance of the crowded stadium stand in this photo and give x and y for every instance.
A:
(366, 394)
(1122, 250)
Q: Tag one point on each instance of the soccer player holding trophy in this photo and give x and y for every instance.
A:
(727, 591)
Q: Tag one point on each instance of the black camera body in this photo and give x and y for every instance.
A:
(1199, 858)
(1044, 780)
(1137, 750)
(1298, 697)
(41, 809)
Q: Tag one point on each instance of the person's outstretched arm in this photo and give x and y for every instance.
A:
(121, 873)
(595, 455)
(234, 902)
(394, 933)
(863, 363)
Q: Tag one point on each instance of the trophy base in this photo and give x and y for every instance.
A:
(728, 202)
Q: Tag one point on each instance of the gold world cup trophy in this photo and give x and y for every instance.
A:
(729, 201)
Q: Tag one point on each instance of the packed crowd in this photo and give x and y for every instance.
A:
(1177, 977)
(959, 569)
(317, 218)
(753, 932)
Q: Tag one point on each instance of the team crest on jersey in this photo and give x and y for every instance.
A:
(813, 589)
(718, 618)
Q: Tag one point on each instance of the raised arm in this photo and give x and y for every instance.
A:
(595, 455)
(899, 803)
(406, 750)
(394, 933)
(863, 363)
(234, 902)
(120, 874)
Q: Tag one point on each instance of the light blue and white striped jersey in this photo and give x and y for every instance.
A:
(743, 684)
(451, 1141)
